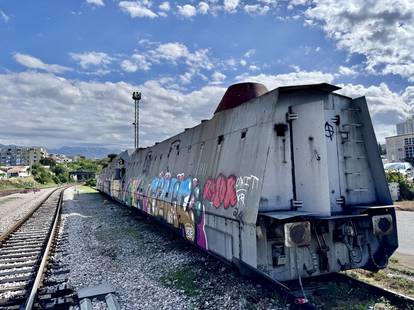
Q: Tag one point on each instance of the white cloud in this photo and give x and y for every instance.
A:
(165, 6)
(175, 51)
(129, 66)
(89, 59)
(187, 10)
(386, 107)
(4, 16)
(231, 5)
(137, 62)
(172, 51)
(99, 113)
(35, 63)
(186, 77)
(71, 107)
(250, 53)
(137, 9)
(381, 30)
(217, 77)
(292, 78)
(203, 7)
(347, 71)
(95, 2)
(256, 9)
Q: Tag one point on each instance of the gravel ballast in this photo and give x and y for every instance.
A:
(16, 206)
(149, 267)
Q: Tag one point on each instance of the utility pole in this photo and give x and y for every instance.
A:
(136, 96)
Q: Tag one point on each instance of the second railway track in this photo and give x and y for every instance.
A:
(24, 252)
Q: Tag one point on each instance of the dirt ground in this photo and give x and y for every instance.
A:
(398, 276)
(405, 205)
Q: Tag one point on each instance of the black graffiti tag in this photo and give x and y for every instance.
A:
(329, 131)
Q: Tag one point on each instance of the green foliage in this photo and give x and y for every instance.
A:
(14, 183)
(61, 173)
(85, 165)
(42, 175)
(111, 157)
(406, 187)
(48, 162)
(91, 182)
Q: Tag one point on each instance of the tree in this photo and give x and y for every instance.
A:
(48, 161)
(42, 175)
(111, 157)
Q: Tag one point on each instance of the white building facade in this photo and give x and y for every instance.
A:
(400, 147)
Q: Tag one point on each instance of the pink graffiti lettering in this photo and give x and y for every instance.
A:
(230, 199)
(221, 191)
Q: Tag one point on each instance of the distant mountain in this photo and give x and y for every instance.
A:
(87, 151)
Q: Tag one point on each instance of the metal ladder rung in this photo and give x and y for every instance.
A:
(355, 172)
(351, 109)
(353, 125)
(356, 157)
(357, 189)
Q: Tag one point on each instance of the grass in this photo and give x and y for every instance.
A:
(83, 189)
(182, 279)
(132, 233)
(393, 277)
(22, 183)
(340, 296)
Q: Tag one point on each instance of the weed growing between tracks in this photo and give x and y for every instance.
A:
(337, 295)
(182, 279)
(390, 278)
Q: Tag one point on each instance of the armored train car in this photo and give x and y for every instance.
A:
(288, 182)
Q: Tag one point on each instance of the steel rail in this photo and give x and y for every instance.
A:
(40, 272)
(25, 218)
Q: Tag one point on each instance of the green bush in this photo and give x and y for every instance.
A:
(406, 187)
(91, 182)
(42, 175)
(61, 173)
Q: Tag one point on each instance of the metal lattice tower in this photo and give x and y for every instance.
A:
(136, 96)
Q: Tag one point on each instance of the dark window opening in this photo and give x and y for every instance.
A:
(220, 139)
(243, 134)
(169, 152)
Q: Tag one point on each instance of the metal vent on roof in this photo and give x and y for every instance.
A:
(239, 93)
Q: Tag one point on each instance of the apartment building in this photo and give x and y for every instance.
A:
(21, 155)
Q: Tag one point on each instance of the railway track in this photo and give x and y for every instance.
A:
(25, 250)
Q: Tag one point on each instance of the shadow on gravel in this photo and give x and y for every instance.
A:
(209, 283)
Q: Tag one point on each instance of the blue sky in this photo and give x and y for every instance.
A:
(79, 61)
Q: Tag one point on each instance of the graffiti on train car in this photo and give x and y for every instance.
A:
(221, 191)
(244, 185)
(178, 200)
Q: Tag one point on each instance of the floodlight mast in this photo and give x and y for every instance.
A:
(136, 96)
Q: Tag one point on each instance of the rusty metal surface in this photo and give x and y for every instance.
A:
(237, 94)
